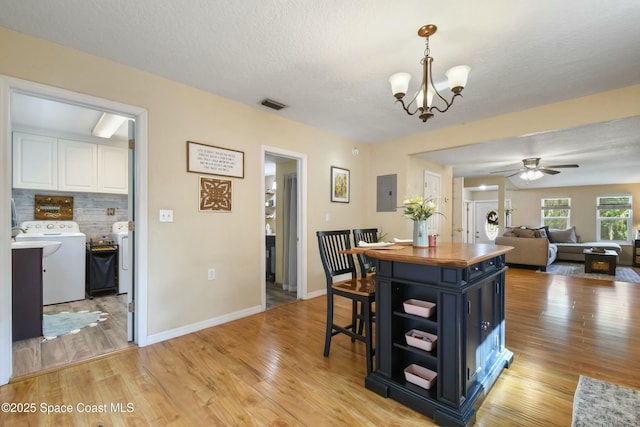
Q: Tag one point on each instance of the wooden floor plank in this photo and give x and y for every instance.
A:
(268, 369)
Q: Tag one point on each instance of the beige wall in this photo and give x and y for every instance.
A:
(181, 252)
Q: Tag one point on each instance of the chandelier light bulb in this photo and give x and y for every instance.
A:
(399, 84)
(457, 77)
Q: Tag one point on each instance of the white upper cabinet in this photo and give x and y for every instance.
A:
(113, 169)
(46, 163)
(35, 162)
(77, 166)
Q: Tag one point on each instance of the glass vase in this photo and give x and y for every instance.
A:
(420, 234)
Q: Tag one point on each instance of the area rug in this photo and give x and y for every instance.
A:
(57, 325)
(599, 403)
(623, 274)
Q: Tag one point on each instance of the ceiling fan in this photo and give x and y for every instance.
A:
(532, 169)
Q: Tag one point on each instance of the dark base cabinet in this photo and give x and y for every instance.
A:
(469, 352)
(26, 274)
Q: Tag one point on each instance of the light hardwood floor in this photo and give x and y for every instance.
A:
(268, 369)
(35, 354)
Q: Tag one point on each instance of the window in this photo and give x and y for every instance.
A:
(556, 213)
(614, 218)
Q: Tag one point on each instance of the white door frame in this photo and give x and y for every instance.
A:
(301, 171)
(140, 258)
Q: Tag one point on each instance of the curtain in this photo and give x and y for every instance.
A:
(290, 233)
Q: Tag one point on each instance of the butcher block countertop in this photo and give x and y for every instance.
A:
(445, 253)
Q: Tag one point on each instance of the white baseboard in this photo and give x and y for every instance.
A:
(194, 327)
(315, 294)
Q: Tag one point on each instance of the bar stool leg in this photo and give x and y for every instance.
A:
(327, 339)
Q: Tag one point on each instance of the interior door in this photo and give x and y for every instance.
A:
(486, 221)
(130, 238)
(433, 189)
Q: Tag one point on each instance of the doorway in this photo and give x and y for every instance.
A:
(487, 220)
(137, 194)
(283, 221)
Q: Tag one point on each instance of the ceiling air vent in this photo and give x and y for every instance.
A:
(272, 104)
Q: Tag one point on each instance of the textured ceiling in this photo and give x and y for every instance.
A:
(329, 60)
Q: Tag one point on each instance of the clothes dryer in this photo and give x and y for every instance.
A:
(120, 235)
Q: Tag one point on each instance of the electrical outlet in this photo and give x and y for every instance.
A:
(212, 274)
(166, 215)
(111, 211)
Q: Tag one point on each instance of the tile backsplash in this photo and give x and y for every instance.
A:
(89, 209)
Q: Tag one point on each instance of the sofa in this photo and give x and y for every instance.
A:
(529, 248)
(541, 246)
(571, 249)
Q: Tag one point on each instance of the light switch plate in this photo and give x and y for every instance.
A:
(166, 215)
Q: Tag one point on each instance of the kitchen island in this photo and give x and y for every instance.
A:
(457, 291)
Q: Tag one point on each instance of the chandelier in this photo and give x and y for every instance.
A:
(423, 98)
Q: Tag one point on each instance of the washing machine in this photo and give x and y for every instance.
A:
(120, 235)
(63, 277)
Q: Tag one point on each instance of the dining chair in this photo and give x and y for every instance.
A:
(360, 290)
(368, 235)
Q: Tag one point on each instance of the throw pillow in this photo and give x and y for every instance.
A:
(527, 233)
(563, 236)
(542, 232)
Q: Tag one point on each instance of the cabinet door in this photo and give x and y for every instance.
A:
(483, 328)
(77, 166)
(113, 170)
(35, 162)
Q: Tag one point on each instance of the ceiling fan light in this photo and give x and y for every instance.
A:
(457, 77)
(531, 175)
(399, 84)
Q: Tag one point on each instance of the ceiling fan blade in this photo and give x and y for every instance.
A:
(548, 171)
(563, 166)
(514, 174)
(508, 170)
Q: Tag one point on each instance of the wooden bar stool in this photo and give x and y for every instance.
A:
(357, 289)
(368, 235)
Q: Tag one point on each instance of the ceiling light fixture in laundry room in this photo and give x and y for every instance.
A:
(423, 98)
(107, 125)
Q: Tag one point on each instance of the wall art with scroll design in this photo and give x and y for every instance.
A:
(215, 195)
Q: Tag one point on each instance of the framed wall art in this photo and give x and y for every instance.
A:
(340, 182)
(215, 195)
(212, 160)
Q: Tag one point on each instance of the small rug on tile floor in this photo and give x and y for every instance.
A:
(56, 325)
(623, 274)
(599, 403)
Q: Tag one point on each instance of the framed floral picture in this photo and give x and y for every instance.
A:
(215, 195)
(340, 184)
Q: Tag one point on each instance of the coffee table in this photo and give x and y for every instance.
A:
(600, 262)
